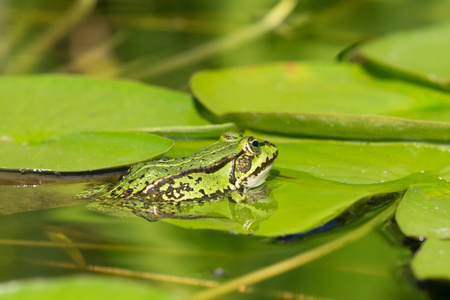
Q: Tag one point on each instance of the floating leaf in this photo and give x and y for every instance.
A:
(83, 151)
(360, 162)
(425, 211)
(432, 261)
(323, 100)
(36, 108)
(305, 202)
(46, 122)
(320, 179)
(419, 55)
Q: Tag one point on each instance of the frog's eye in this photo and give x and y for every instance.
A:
(253, 146)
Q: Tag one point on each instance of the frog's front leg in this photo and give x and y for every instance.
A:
(240, 196)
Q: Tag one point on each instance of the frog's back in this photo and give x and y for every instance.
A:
(141, 178)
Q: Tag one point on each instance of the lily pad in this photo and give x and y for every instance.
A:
(360, 162)
(304, 202)
(37, 108)
(60, 122)
(432, 261)
(418, 55)
(323, 100)
(424, 211)
(317, 180)
(83, 151)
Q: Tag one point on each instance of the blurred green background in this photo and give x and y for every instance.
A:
(163, 43)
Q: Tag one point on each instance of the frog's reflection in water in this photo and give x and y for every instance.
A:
(244, 217)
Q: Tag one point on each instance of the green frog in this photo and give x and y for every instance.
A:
(233, 168)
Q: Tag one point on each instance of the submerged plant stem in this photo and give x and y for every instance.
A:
(296, 261)
(270, 21)
(129, 273)
(162, 278)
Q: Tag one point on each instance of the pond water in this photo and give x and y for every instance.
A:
(56, 242)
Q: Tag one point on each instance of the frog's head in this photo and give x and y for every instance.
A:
(253, 166)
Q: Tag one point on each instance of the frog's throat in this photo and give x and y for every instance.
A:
(257, 177)
(207, 170)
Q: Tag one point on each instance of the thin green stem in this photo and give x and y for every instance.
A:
(126, 273)
(296, 261)
(31, 55)
(270, 22)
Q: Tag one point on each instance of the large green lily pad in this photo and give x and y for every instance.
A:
(83, 151)
(36, 108)
(418, 55)
(317, 180)
(360, 162)
(68, 123)
(323, 100)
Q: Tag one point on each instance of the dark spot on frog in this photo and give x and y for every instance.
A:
(126, 193)
(202, 191)
(197, 181)
(142, 176)
(244, 165)
(187, 187)
(190, 177)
